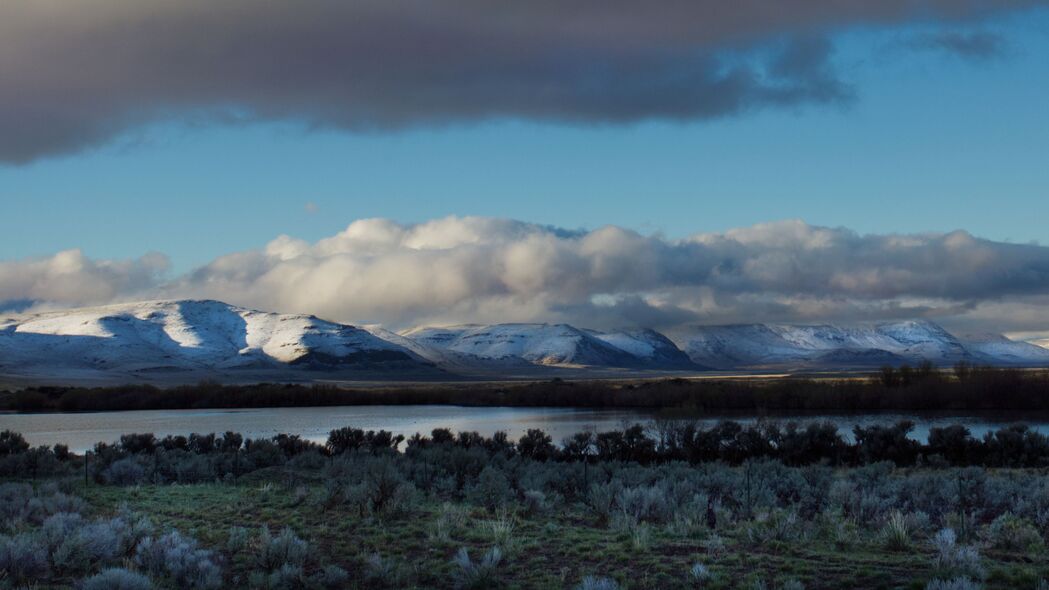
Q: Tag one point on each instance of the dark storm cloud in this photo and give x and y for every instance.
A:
(975, 45)
(74, 74)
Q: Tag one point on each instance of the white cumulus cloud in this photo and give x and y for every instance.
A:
(475, 269)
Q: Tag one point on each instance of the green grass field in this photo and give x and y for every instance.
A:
(554, 549)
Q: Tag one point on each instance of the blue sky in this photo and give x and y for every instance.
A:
(932, 142)
(712, 162)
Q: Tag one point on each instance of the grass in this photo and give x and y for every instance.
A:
(556, 549)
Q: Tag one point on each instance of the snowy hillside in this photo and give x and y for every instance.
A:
(556, 345)
(185, 341)
(544, 344)
(181, 336)
(829, 346)
(450, 360)
(997, 349)
(649, 346)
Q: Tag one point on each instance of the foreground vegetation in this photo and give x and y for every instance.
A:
(923, 388)
(763, 506)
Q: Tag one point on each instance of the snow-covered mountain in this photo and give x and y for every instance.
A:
(541, 344)
(185, 341)
(649, 347)
(189, 337)
(450, 360)
(831, 346)
(997, 349)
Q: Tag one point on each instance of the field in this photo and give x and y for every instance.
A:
(559, 548)
(767, 507)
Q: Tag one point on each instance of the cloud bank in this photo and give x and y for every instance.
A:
(75, 74)
(69, 278)
(472, 269)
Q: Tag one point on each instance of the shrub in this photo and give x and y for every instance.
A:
(284, 549)
(777, 525)
(1010, 533)
(286, 577)
(537, 445)
(644, 504)
(886, 443)
(309, 460)
(299, 496)
(640, 536)
(99, 543)
(714, 545)
(49, 503)
(953, 584)
(449, 519)
(138, 443)
(13, 497)
(500, 530)
(384, 490)
(895, 534)
(699, 574)
(22, 558)
(124, 472)
(237, 540)
(58, 527)
(12, 443)
(77, 546)
(601, 500)
(180, 559)
(332, 577)
(116, 579)
(480, 575)
(380, 572)
(534, 502)
(956, 560)
(757, 584)
(492, 489)
(18, 502)
(596, 583)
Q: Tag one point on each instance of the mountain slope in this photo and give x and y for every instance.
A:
(189, 337)
(830, 346)
(541, 344)
(648, 347)
(185, 341)
(997, 349)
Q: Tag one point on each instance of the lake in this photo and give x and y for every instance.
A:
(82, 430)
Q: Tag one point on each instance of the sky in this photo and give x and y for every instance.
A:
(141, 167)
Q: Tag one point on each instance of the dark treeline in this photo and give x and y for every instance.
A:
(965, 388)
(208, 457)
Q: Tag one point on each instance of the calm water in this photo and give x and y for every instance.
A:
(82, 431)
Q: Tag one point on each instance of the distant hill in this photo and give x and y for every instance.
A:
(190, 340)
(838, 347)
(556, 345)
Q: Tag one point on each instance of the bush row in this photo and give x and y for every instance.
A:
(964, 388)
(203, 457)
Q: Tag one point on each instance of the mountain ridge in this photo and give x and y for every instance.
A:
(192, 339)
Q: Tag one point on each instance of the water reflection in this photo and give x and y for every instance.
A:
(82, 431)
